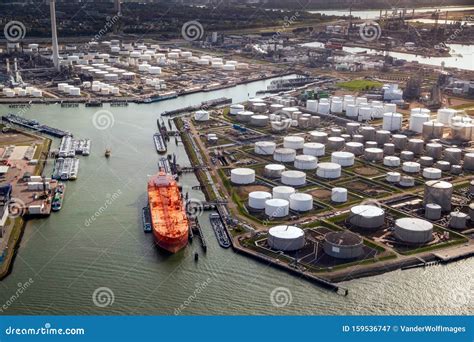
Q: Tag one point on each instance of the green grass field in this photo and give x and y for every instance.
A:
(358, 85)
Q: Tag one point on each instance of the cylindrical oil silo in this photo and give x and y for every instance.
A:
(400, 141)
(343, 158)
(259, 120)
(352, 111)
(336, 143)
(382, 137)
(336, 106)
(365, 113)
(432, 130)
(242, 176)
(417, 121)
(453, 155)
(439, 192)
(265, 148)
(391, 161)
(312, 105)
(244, 116)
(306, 162)
(286, 238)
(352, 128)
(293, 142)
(284, 155)
(293, 178)
(434, 150)
(257, 199)
(445, 114)
(277, 207)
(413, 230)
(314, 121)
(443, 165)
(368, 132)
(407, 155)
(392, 122)
(416, 146)
(373, 154)
(323, 108)
(433, 211)
(393, 177)
(328, 170)
(367, 217)
(343, 245)
(339, 195)
(456, 169)
(335, 132)
(358, 138)
(355, 147)
(236, 108)
(469, 161)
(283, 192)
(273, 170)
(411, 167)
(388, 149)
(314, 149)
(426, 161)
(458, 220)
(319, 137)
(407, 181)
(276, 107)
(432, 173)
(371, 144)
(301, 202)
(259, 107)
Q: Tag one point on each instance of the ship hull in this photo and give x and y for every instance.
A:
(172, 245)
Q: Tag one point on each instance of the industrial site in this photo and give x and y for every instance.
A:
(332, 145)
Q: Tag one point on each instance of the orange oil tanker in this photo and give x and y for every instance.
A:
(168, 213)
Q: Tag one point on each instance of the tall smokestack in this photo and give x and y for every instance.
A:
(117, 7)
(52, 9)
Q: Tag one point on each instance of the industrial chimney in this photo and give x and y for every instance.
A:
(52, 9)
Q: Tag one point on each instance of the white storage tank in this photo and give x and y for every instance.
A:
(329, 170)
(312, 105)
(319, 137)
(301, 202)
(242, 176)
(367, 217)
(259, 120)
(306, 162)
(265, 148)
(323, 108)
(343, 158)
(445, 115)
(244, 116)
(413, 230)
(339, 195)
(293, 178)
(284, 155)
(286, 238)
(293, 142)
(439, 192)
(283, 192)
(277, 207)
(433, 211)
(257, 199)
(393, 177)
(411, 167)
(432, 173)
(391, 161)
(273, 170)
(373, 154)
(236, 108)
(417, 120)
(356, 148)
(201, 115)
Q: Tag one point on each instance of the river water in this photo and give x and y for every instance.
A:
(68, 259)
(375, 14)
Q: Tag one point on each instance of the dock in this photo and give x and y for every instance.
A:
(219, 230)
(34, 125)
(204, 105)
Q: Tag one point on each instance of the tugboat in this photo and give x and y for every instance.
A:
(58, 198)
(108, 152)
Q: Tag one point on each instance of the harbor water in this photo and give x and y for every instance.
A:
(96, 242)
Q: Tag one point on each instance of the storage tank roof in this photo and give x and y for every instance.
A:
(286, 232)
(343, 238)
(367, 210)
(414, 224)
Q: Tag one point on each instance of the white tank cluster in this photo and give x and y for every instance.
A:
(242, 176)
(286, 238)
(22, 92)
(283, 192)
(438, 192)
